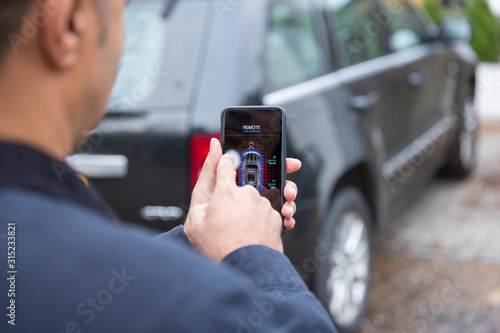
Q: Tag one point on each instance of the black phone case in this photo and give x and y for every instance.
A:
(283, 138)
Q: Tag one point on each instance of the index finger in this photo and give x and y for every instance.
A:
(293, 165)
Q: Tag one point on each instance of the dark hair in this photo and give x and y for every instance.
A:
(11, 21)
(11, 14)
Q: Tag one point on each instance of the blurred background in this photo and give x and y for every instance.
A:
(438, 265)
(392, 105)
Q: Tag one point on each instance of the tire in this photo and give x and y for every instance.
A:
(342, 282)
(463, 159)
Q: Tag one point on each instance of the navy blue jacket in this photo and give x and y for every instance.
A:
(71, 266)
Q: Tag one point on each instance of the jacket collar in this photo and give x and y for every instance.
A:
(26, 167)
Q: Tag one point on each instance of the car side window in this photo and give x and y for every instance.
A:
(358, 34)
(294, 53)
(406, 28)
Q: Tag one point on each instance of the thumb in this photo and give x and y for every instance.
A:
(206, 182)
(226, 175)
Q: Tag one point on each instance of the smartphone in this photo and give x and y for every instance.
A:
(255, 136)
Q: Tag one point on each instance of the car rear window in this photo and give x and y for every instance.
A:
(161, 55)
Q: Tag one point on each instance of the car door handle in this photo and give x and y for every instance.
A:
(364, 102)
(415, 79)
(99, 166)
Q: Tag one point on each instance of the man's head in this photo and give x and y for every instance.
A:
(63, 56)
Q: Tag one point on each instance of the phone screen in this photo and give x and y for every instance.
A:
(254, 138)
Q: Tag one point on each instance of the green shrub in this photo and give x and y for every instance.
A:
(434, 9)
(486, 40)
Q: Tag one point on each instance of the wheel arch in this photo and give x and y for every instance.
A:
(360, 177)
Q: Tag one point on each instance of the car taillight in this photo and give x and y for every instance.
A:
(200, 146)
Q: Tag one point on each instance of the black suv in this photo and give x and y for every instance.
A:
(378, 100)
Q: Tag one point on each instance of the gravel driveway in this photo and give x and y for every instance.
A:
(437, 266)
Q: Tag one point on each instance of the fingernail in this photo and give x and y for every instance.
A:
(211, 144)
(291, 211)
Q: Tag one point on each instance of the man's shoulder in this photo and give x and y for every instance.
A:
(77, 252)
(24, 201)
(46, 217)
(54, 229)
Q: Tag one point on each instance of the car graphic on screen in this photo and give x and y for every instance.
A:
(251, 169)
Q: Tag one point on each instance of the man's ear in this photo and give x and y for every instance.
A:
(64, 34)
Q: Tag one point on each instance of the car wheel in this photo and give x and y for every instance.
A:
(463, 158)
(343, 279)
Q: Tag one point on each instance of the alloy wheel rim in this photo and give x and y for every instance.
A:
(347, 282)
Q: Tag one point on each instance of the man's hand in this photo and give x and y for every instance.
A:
(224, 217)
